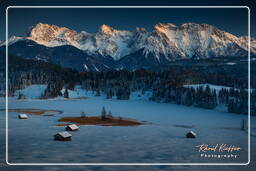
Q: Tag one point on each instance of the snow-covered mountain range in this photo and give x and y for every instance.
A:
(167, 42)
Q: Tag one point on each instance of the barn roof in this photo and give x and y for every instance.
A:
(65, 134)
(23, 115)
(73, 126)
(191, 132)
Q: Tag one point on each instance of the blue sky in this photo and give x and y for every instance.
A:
(90, 19)
(230, 20)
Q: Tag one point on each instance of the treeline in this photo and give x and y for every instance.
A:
(237, 100)
(25, 72)
(200, 97)
(166, 85)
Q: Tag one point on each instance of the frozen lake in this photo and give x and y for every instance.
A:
(31, 140)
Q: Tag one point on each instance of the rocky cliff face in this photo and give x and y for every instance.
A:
(186, 40)
(167, 42)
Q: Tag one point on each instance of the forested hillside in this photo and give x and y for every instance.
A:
(23, 72)
(166, 84)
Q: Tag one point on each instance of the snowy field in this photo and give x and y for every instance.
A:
(163, 141)
(32, 91)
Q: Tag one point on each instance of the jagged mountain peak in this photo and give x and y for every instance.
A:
(45, 25)
(105, 29)
(46, 28)
(165, 26)
(189, 25)
(53, 35)
(140, 29)
(11, 40)
(196, 26)
(199, 27)
(167, 40)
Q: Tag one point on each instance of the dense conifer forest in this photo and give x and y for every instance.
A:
(166, 84)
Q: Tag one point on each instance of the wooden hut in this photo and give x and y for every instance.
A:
(191, 134)
(23, 116)
(63, 136)
(72, 127)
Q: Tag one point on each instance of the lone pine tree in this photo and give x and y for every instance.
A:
(66, 95)
(103, 113)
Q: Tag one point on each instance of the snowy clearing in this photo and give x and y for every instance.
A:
(161, 141)
(33, 91)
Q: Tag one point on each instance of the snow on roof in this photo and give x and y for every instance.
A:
(65, 134)
(23, 115)
(191, 132)
(73, 126)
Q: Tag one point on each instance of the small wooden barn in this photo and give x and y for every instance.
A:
(63, 136)
(23, 116)
(72, 127)
(191, 134)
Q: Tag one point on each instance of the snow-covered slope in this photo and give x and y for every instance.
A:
(12, 40)
(32, 91)
(106, 41)
(190, 39)
(243, 42)
(165, 41)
